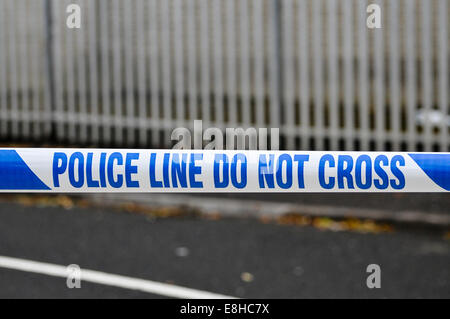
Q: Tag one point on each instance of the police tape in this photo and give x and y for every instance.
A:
(120, 170)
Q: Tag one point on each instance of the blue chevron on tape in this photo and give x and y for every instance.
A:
(436, 166)
(16, 175)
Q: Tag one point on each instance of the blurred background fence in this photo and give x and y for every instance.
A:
(138, 69)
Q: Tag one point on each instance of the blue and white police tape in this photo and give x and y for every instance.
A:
(120, 170)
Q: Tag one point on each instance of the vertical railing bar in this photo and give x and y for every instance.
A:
(58, 85)
(13, 72)
(363, 77)
(49, 107)
(288, 68)
(426, 75)
(131, 121)
(166, 35)
(82, 115)
(333, 79)
(333, 73)
(274, 67)
(218, 61)
(394, 75)
(205, 62)
(318, 74)
(93, 73)
(73, 121)
(258, 61)
(3, 70)
(379, 97)
(443, 49)
(192, 59)
(24, 112)
(141, 73)
(349, 93)
(154, 69)
(303, 70)
(231, 62)
(106, 92)
(179, 62)
(34, 22)
(245, 61)
(410, 71)
(117, 74)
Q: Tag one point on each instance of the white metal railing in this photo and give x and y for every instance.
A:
(137, 69)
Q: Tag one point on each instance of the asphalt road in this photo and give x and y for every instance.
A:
(237, 257)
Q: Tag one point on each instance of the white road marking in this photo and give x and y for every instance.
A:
(102, 278)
